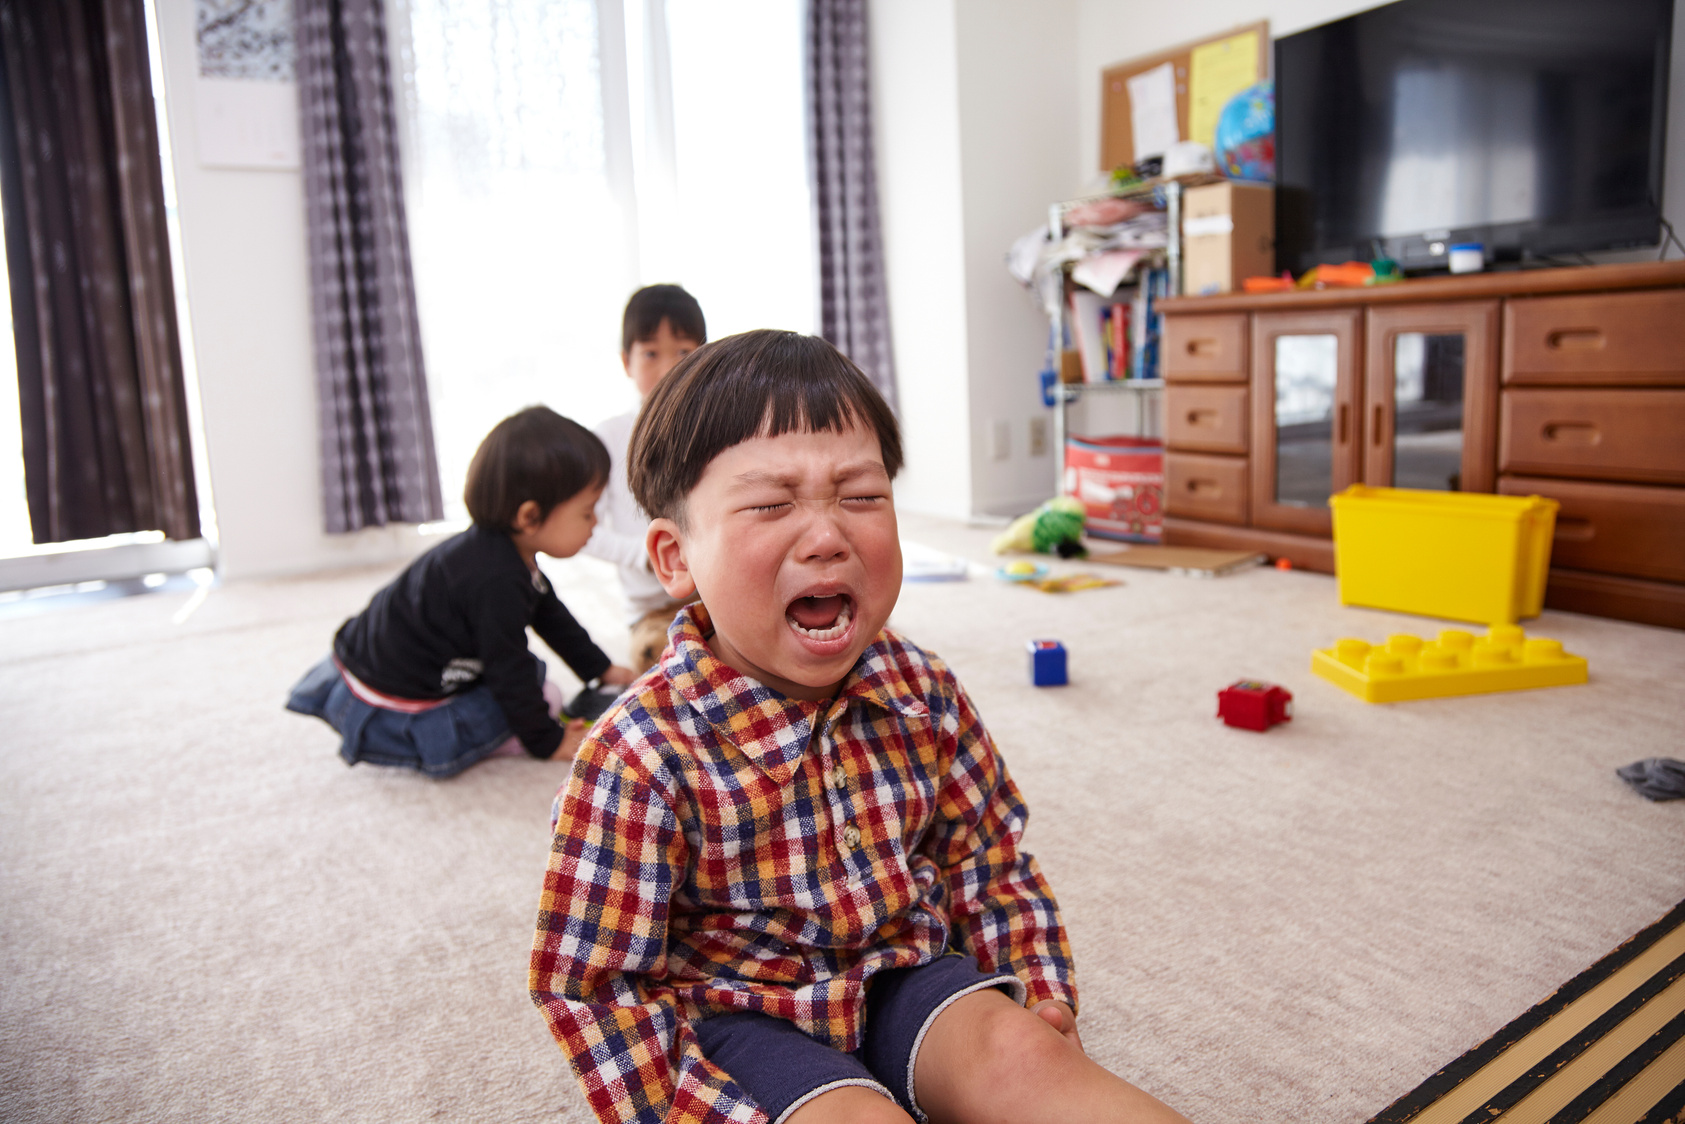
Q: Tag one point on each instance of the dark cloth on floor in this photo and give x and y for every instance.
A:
(1657, 778)
(457, 619)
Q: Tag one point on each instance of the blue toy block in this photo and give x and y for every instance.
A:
(1047, 663)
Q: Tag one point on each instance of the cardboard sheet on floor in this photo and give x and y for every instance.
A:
(1198, 561)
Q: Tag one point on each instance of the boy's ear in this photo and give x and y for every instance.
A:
(665, 545)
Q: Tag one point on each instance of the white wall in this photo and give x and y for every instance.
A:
(915, 103)
(972, 104)
(249, 301)
(1018, 79)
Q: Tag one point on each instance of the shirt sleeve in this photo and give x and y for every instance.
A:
(600, 953)
(1001, 907)
(501, 610)
(567, 637)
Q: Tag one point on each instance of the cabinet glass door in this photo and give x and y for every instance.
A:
(1306, 393)
(1432, 397)
(1306, 376)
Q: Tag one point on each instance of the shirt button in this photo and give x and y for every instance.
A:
(839, 778)
(851, 837)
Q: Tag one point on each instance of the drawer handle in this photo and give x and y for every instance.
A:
(1579, 434)
(1202, 417)
(1203, 348)
(1574, 529)
(1576, 339)
(1205, 489)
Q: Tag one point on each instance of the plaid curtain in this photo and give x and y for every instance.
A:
(101, 395)
(378, 464)
(853, 300)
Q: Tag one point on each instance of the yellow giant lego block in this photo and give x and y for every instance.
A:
(1457, 663)
(1462, 556)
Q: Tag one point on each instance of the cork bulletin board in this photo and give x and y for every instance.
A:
(1201, 74)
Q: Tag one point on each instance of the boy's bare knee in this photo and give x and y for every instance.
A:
(986, 1049)
(851, 1104)
(1021, 1050)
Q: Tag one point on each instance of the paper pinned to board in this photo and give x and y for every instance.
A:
(1217, 72)
(1152, 111)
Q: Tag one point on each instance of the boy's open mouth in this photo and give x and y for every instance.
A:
(821, 618)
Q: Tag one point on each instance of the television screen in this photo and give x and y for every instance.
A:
(1532, 127)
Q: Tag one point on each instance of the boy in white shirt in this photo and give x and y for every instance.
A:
(662, 324)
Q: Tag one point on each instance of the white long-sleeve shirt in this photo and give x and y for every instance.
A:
(621, 523)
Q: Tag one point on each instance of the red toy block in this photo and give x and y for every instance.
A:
(1252, 705)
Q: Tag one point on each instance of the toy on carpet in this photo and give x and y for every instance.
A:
(1252, 705)
(1021, 571)
(1047, 663)
(1071, 583)
(1457, 663)
(1053, 528)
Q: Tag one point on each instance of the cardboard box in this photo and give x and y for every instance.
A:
(1228, 235)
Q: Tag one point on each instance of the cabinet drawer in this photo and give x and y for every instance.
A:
(1629, 339)
(1633, 435)
(1627, 529)
(1206, 419)
(1205, 487)
(1205, 348)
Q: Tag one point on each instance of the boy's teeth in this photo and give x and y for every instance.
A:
(845, 613)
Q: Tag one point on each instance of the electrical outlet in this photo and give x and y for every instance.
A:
(1003, 439)
(1038, 437)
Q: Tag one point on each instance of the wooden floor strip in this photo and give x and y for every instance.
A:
(1608, 1002)
(1545, 1039)
(1553, 1095)
(1577, 1045)
(1671, 1108)
(1635, 1100)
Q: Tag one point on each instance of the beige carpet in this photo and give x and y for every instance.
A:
(205, 916)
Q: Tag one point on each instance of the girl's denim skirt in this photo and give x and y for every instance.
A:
(440, 742)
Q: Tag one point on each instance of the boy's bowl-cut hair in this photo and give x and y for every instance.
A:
(534, 455)
(754, 384)
(650, 305)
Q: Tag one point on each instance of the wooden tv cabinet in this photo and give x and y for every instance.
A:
(1565, 383)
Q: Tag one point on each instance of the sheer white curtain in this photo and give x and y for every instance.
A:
(560, 153)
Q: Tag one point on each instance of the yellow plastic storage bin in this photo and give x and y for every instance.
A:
(1459, 556)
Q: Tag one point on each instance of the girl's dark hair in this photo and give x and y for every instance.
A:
(652, 304)
(753, 384)
(534, 455)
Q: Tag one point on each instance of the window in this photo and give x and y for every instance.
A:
(558, 156)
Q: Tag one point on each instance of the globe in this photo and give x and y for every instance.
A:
(1245, 138)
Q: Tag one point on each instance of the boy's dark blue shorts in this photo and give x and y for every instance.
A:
(783, 1069)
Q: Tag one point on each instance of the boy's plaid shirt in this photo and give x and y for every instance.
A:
(720, 847)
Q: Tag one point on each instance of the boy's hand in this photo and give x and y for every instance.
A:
(617, 676)
(1060, 1017)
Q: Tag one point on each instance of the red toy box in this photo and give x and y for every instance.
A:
(1120, 482)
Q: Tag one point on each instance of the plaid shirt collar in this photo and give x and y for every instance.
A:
(771, 729)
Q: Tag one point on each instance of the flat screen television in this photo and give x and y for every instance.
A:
(1533, 127)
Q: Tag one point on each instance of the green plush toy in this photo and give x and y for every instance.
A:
(1053, 528)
